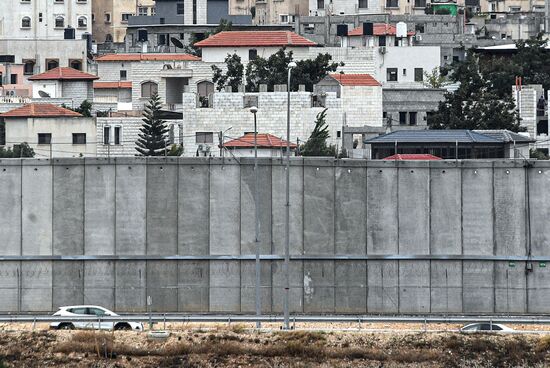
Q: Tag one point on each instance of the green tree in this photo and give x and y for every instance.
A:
(233, 76)
(152, 136)
(434, 79)
(316, 145)
(85, 108)
(537, 154)
(175, 150)
(19, 150)
(274, 70)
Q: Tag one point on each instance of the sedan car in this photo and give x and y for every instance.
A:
(91, 310)
(485, 327)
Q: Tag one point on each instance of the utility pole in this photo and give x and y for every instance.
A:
(254, 110)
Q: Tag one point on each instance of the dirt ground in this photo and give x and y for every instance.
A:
(215, 345)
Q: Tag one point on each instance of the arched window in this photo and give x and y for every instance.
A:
(59, 22)
(26, 22)
(76, 64)
(149, 89)
(109, 38)
(82, 22)
(52, 64)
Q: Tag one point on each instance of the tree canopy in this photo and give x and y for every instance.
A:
(316, 144)
(233, 76)
(152, 134)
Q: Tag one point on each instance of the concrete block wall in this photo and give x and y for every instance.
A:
(366, 236)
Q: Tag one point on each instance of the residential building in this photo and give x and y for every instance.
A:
(268, 145)
(64, 82)
(45, 19)
(516, 144)
(12, 81)
(410, 108)
(511, 6)
(272, 11)
(50, 130)
(383, 35)
(447, 144)
(110, 17)
(532, 108)
(349, 7)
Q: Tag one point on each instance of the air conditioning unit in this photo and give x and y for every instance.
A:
(418, 37)
(382, 50)
(201, 147)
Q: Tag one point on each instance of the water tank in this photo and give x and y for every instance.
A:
(401, 29)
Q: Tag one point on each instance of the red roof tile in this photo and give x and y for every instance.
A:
(39, 111)
(255, 38)
(413, 156)
(64, 73)
(355, 79)
(379, 29)
(148, 57)
(264, 141)
(112, 85)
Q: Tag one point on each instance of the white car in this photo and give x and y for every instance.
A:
(485, 327)
(91, 310)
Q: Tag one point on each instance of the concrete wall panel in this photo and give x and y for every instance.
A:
(319, 207)
(248, 286)
(296, 291)
(162, 207)
(68, 283)
(382, 215)
(350, 294)
(510, 287)
(99, 206)
(478, 287)
(538, 288)
(319, 287)
(351, 210)
(36, 286)
(68, 208)
(225, 286)
(225, 214)
(130, 286)
(446, 286)
(539, 197)
(446, 210)
(99, 283)
(9, 286)
(193, 286)
(414, 286)
(10, 198)
(193, 213)
(131, 208)
(36, 208)
(162, 285)
(382, 280)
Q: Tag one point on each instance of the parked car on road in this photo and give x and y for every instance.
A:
(91, 310)
(484, 326)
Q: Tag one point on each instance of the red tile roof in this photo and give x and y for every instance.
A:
(255, 38)
(413, 156)
(148, 57)
(64, 73)
(264, 141)
(355, 79)
(37, 110)
(379, 29)
(112, 85)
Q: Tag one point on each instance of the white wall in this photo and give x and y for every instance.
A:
(26, 130)
(50, 87)
(408, 58)
(218, 54)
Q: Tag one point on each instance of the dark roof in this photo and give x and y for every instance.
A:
(506, 136)
(412, 156)
(433, 136)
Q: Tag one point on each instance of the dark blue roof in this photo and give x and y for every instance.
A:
(433, 136)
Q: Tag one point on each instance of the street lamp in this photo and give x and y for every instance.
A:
(286, 267)
(254, 110)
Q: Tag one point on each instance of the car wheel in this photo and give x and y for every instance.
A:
(122, 327)
(66, 326)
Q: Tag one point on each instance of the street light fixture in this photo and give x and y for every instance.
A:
(254, 110)
(286, 267)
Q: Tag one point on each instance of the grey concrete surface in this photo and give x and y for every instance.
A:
(457, 236)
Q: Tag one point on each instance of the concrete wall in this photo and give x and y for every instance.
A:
(366, 236)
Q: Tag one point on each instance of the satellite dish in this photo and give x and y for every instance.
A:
(176, 42)
(43, 94)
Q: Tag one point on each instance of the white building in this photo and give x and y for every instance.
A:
(52, 131)
(64, 83)
(44, 19)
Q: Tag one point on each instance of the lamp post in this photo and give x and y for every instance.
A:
(286, 267)
(254, 110)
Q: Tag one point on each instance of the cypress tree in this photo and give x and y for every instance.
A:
(152, 136)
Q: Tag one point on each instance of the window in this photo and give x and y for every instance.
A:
(338, 134)
(26, 1)
(109, 38)
(542, 127)
(392, 3)
(52, 64)
(2, 134)
(107, 17)
(419, 3)
(76, 64)
(320, 4)
(106, 134)
(26, 22)
(44, 138)
(79, 310)
(402, 118)
(284, 18)
(123, 75)
(142, 10)
(204, 137)
(125, 17)
(194, 11)
(418, 74)
(419, 27)
(363, 4)
(40, 17)
(391, 74)
(163, 39)
(82, 22)
(153, 11)
(118, 131)
(79, 138)
(59, 22)
(93, 17)
(13, 79)
(149, 89)
(381, 40)
(171, 134)
(252, 54)
(412, 118)
(179, 8)
(58, 1)
(404, 72)
(97, 312)
(249, 101)
(28, 68)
